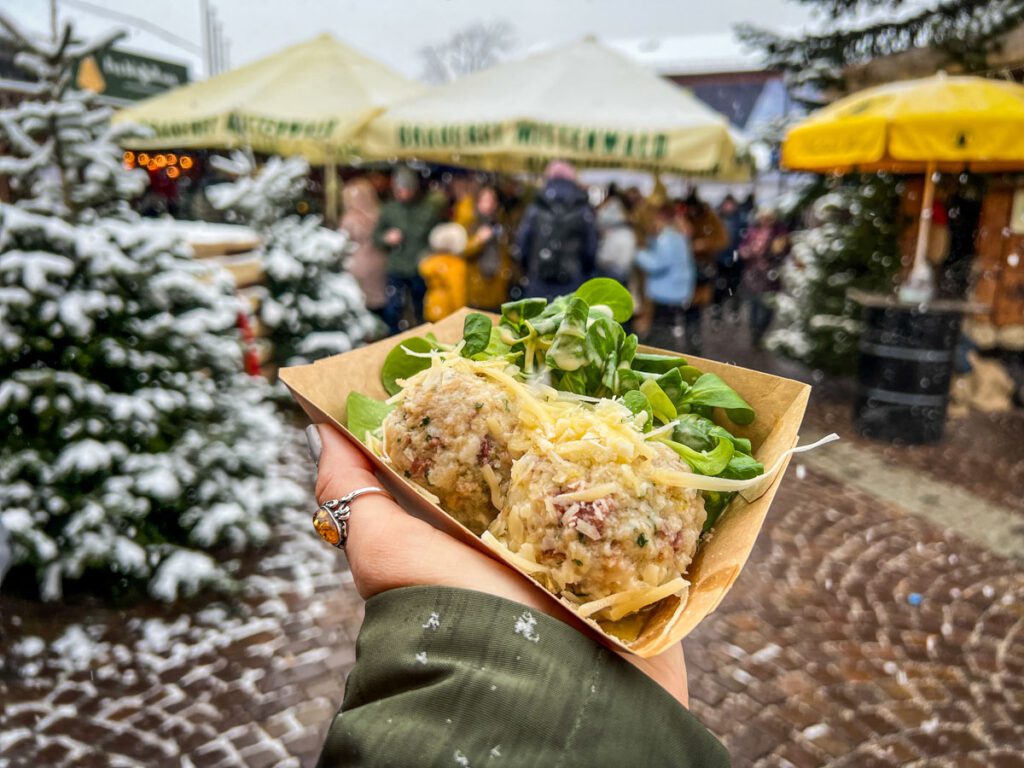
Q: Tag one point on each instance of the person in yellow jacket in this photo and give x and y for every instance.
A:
(444, 272)
(488, 266)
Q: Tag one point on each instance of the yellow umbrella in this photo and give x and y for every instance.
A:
(925, 126)
(584, 103)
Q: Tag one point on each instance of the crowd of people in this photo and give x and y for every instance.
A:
(430, 248)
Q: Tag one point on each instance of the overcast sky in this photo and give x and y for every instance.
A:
(394, 30)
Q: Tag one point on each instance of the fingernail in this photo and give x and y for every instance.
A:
(316, 446)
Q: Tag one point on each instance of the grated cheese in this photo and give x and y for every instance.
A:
(497, 498)
(529, 566)
(614, 607)
(592, 493)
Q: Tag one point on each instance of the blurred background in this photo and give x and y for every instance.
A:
(195, 194)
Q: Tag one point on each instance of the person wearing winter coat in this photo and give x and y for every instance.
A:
(401, 233)
(617, 248)
(461, 661)
(368, 265)
(729, 266)
(444, 272)
(668, 264)
(708, 237)
(763, 250)
(487, 268)
(557, 239)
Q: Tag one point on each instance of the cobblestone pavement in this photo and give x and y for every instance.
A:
(860, 636)
(981, 452)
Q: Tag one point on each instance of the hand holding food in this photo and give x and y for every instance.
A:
(624, 481)
(389, 549)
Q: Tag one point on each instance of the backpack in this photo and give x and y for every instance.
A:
(559, 232)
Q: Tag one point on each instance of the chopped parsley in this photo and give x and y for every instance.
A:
(582, 539)
(425, 422)
(641, 540)
(478, 406)
(577, 562)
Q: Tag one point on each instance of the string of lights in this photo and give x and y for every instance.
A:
(170, 163)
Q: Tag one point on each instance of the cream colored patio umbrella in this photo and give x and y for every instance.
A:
(306, 100)
(584, 103)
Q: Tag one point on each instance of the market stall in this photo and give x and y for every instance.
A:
(929, 126)
(306, 100)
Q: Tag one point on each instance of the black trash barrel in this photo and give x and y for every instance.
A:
(906, 364)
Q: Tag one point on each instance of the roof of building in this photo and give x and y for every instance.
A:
(691, 54)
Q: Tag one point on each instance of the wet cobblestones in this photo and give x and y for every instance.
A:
(861, 636)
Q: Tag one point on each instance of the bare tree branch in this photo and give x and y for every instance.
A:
(468, 50)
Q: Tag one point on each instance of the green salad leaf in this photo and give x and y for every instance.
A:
(711, 392)
(709, 463)
(364, 414)
(742, 466)
(715, 503)
(568, 351)
(516, 312)
(664, 410)
(401, 365)
(672, 384)
(606, 292)
(649, 362)
(476, 333)
(700, 433)
(638, 403)
(496, 347)
(689, 373)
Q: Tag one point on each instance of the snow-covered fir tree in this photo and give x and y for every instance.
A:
(313, 307)
(852, 242)
(131, 441)
(851, 32)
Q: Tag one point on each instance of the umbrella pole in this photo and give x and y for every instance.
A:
(331, 195)
(920, 284)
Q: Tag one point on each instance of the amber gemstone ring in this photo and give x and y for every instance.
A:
(331, 518)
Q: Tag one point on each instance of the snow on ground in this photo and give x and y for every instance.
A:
(299, 568)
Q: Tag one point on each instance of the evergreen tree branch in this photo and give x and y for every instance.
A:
(964, 29)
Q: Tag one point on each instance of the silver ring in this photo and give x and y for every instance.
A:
(331, 518)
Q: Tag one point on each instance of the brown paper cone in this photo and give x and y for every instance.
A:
(322, 388)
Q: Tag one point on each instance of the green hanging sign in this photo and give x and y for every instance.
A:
(127, 76)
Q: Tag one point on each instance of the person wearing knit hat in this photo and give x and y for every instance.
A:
(401, 233)
(559, 169)
(444, 271)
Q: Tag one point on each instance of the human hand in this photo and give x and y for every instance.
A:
(485, 233)
(387, 548)
(393, 236)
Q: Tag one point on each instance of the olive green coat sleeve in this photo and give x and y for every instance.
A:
(451, 677)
